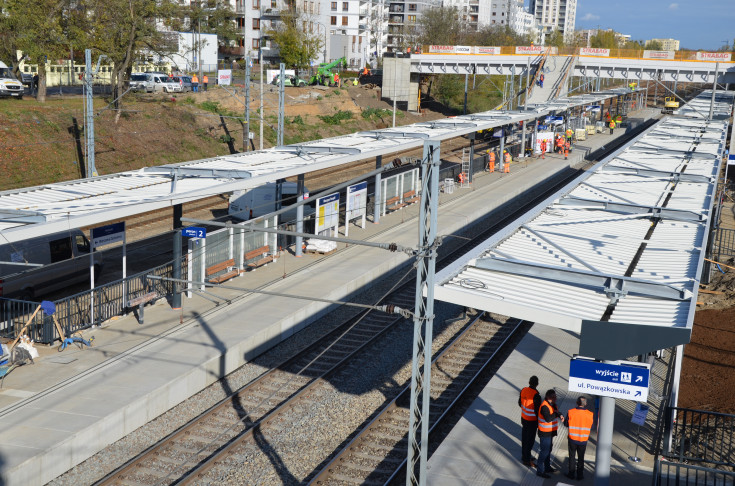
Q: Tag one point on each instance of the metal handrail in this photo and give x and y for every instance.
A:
(563, 80)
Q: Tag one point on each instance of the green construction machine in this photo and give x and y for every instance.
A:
(324, 75)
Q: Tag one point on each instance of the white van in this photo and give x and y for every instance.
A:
(261, 200)
(9, 85)
(38, 266)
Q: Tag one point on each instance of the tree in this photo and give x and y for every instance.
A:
(497, 35)
(604, 39)
(555, 39)
(41, 31)
(654, 45)
(123, 29)
(442, 25)
(297, 46)
(210, 17)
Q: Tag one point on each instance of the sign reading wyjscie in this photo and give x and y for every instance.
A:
(194, 232)
(106, 235)
(622, 379)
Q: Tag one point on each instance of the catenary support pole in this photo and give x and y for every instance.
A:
(472, 137)
(246, 135)
(603, 455)
(299, 215)
(281, 104)
(423, 323)
(89, 111)
(523, 139)
(262, 113)
(528, 81)
(466, 82)
(714, 92)
(378, 183)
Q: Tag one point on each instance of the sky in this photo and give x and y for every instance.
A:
(698, 24)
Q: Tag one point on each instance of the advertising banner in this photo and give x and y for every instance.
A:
(327, 212)
(530, 49)
(714, 56)
(441, 49)
(658, 54)
(463, 49)
(549, 137)
(592, 51)
(224, 77)
(495, 51)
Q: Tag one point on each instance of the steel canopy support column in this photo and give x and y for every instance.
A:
(418, 432)
(472, 155)
(299, 215)
(281, 104)
(176, 301)
(523, 139)
(604, 441)
(378, 183)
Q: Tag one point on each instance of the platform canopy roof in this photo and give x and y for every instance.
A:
(33, 211)
(617, 254)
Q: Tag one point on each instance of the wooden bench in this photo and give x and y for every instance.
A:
(140, 302)
(393, 203)
(259, 256)
(410, 197)
(226, 265)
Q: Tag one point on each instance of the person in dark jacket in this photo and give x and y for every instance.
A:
(529, 401)
(548, 423)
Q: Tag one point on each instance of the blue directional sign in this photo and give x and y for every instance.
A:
(622, 379)
(105, 235)
(194, 232)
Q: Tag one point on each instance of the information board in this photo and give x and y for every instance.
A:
(327, 212)
(356, 205)
(106, 235)
(621, 379)
(194, 232)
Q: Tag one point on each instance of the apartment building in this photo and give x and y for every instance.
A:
(550, 15)
(667, 44)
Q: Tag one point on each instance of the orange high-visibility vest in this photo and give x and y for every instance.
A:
(559, 142)
(507, 159)
(612, 123)
(491, 157)
(570, 133)
(205, 79)
(580, 424)
(527, 410)
(544, 426)
(194, 79)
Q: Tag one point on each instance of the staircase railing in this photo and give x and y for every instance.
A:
(570, 65)
(539, 70)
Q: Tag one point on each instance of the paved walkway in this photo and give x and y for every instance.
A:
(68, 406)
(484, 448)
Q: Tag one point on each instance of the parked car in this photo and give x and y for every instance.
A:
(139, 82)
(184, 82)
(289, 81)
(163, 83)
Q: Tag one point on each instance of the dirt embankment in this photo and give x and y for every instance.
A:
(42, 143)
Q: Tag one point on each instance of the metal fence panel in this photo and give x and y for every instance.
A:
(678, 474)
(704, 437)
(724, 243)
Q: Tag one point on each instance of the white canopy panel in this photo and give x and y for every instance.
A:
(57, 207)
(624, 243)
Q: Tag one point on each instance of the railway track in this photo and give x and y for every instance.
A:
(377, 454)
(253, 429)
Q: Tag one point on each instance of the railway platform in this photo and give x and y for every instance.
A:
(69, 405)
(484, 447)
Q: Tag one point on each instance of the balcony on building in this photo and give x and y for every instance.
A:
(396, 19)
(228, 52)
(272, 9)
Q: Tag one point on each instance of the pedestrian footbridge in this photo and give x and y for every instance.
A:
(524, 61)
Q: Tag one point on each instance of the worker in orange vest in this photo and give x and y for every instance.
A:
(506, 162)
(195, 84)
(579, 422)
(543, 148)
(560, 143)
(548, 423)
(205, 80)
(462, 178)
(567, 148)
(490, 161)
(529, 401)
(569, 134)
(612, 126)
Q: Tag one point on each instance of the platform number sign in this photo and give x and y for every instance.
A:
(194, 232)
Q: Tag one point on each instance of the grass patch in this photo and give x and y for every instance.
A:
(336, 118)
(375, 114)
